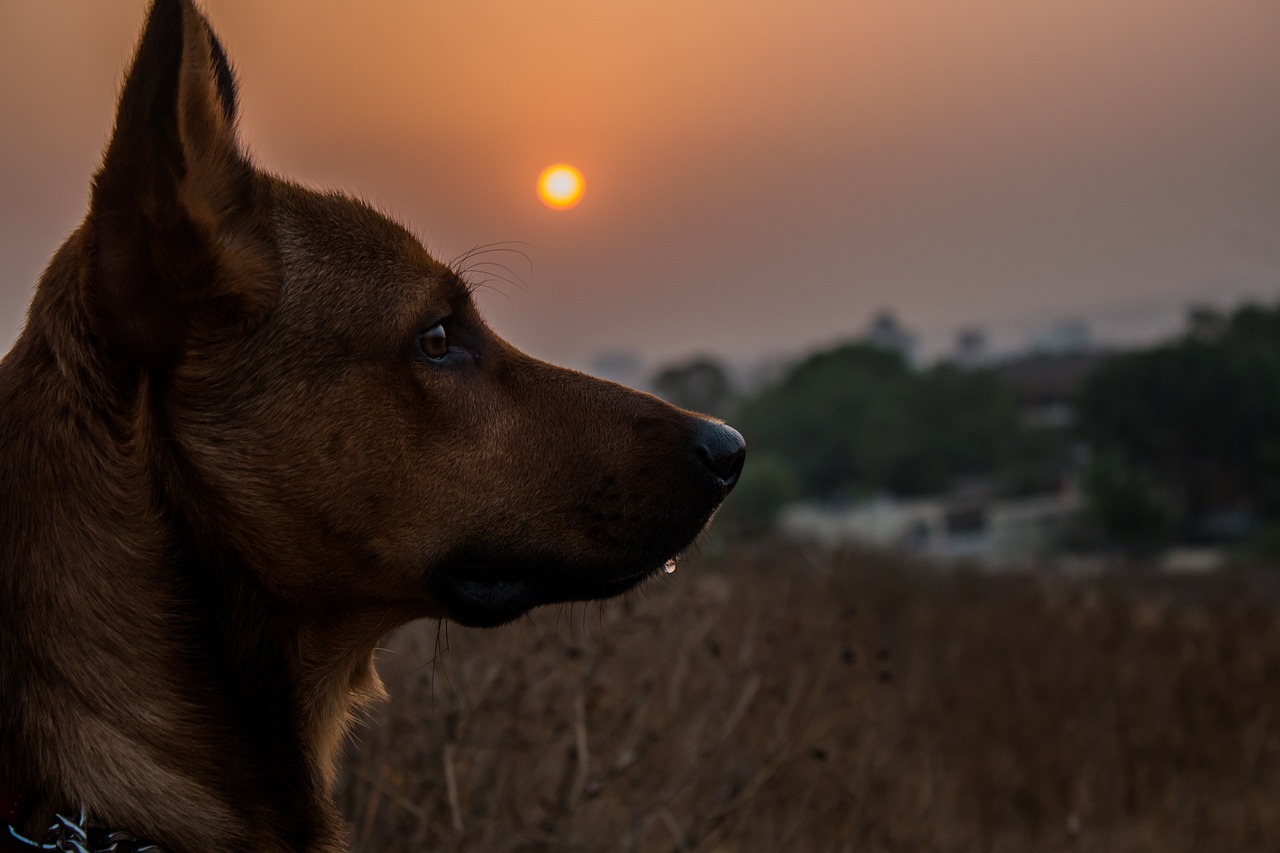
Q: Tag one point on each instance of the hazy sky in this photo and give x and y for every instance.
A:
(761, 176)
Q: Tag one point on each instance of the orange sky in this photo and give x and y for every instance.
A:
(762, 176)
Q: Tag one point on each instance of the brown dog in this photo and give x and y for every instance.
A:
(247, 430)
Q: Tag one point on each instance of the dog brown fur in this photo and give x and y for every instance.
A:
(230, 461)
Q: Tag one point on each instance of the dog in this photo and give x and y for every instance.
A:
(247, 429)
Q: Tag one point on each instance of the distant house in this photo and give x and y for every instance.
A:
(1046, 382)
(992, 533)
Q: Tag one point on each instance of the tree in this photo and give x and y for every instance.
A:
(768, 484)
(857, 419)
(1127, 511)
(1195, 423)
(701, 385)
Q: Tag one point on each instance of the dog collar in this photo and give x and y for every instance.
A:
(12, 805)
(65, 834)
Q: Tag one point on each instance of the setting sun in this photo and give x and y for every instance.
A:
(560, 186)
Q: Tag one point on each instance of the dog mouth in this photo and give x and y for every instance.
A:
(486, 593)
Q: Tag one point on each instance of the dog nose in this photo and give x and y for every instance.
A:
(722, 449)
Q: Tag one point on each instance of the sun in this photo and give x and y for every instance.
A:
(560, 186)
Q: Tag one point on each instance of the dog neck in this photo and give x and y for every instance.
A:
(147, 674)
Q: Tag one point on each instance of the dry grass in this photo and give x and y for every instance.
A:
(782, 701)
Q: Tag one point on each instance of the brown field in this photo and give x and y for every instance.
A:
(780, 700)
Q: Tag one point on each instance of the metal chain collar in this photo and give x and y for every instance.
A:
(75, 836)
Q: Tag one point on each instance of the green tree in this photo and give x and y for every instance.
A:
(768, 484)
(1195, 421)
(857, 419)
(1128, 512)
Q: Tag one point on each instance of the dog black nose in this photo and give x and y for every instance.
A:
(722, 449)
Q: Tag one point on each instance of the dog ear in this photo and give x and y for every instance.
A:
(180, 230)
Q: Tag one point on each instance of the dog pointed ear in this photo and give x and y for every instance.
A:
(179, 221)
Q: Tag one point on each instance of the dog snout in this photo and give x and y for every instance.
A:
(722, 449)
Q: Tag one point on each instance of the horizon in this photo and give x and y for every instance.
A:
(760, 182)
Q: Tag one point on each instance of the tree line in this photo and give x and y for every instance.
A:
(1176, 442)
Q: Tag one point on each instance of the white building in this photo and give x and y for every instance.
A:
(993, 533)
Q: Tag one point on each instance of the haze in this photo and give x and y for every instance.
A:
(762, 177)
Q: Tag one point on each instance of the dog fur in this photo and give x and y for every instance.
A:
(249, 428)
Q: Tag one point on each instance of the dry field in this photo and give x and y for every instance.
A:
(779, 700)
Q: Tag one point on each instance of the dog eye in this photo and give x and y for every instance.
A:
(434, 342)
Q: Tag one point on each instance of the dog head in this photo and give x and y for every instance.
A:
(320, 397)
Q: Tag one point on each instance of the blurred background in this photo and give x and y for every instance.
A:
(991, 287)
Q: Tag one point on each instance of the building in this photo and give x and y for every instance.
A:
(1047, 383)
(996, 534)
